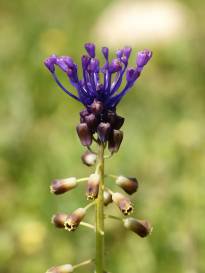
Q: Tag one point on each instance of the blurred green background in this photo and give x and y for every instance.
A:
(163, 144)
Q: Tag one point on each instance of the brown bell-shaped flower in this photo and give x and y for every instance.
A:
(96, 107)
(115, 120)
(66, 268)
(83, 114)
(73, 220)
(140, 227)
(128, 184)
(115, 140)
(84, 134)
(91, 121)
(63, 185)
(107, 197)
(59, 219)
(119, 121)
(89, 158)
(123, 203)
(93, 186)
(103, 131)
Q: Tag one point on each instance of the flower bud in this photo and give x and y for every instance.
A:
(132, 74)
(90, 47)
(103, 131)
(59, 219)
(119, 121)
(84, 113)
(141, 227)
(93, 186)
(142, 58)
(89, 158)
(115, 66)
(119, 53)
(123, 203)
(66, 268)
(111, 117)
(96, 107)
(63, 185)
(62, 65)
(50, 63)
(115, 141)
(128, 184)
(94, 65)
(84, 134)
(85, 61)
(73, 220)
(105, 52)
(107, 196)
(127, 51)
(91, 121)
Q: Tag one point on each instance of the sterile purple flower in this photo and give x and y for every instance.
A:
(96, 91)
(142, 58)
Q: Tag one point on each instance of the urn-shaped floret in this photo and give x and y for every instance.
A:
(140, 227)
(115, 141)
(103, 130)
(93, 186)
(59, 219)
(128, 184)
(107, 197)
(63, 185)
(84, 134)
(73, 220)
(89, 158)
(123, 203)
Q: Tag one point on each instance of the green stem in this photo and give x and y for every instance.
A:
(100, 214)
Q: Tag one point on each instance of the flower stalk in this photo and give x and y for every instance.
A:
(99, 260)
(99, 123)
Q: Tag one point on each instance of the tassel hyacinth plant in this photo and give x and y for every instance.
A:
(100, 92)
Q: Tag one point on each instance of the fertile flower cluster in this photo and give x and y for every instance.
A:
(99, 92)
(71, 221)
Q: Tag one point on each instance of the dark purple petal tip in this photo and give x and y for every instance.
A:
(143, 57)
(132, 74)
(119, 53)
(105, 52)
(127, 51)
(50, 63)
(90, 49)
(115, 66)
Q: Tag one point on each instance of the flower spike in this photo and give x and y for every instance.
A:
(100, 89)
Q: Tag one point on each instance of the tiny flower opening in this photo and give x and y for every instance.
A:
(123, 203)
(73, 220)
(93, 186)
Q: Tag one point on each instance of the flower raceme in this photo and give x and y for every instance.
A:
(99, 97)
(99, 91)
